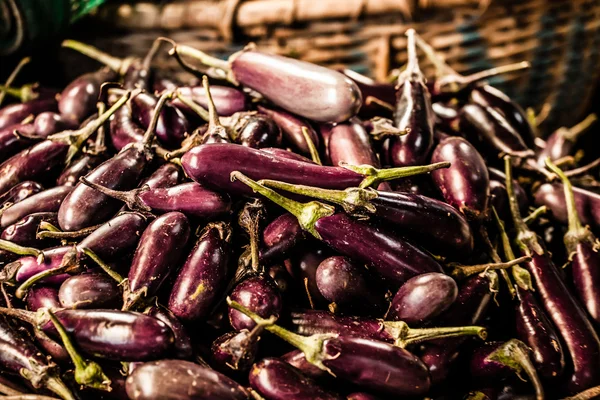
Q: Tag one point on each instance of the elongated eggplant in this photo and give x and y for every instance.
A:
(15, 113)
(48, 123)
(78, 168)
(183, 342)
(24, 231)
(78, 99)
(227, 100)
(176, 379)
(291, 127)
(89, 290)
(165, 176)
(46, 201)
(203, 277)
(587, 203)
(280, 237)
(20, 192)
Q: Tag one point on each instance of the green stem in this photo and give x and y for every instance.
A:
(374, 100)
(382, 128)
(105, 267)
(57, 234)
(581, 170)
(535, 214)
(526, 239)
(98, 145)
(22, 315)
(249, 220)
(314, 153)
(515, 355)
(24, 93)
(464, 271)
(520, 275)
(47, 226)
(405, 336)
(22, 290)
(197, 108)
(412, 71)
(116, 64)
(353, 200)
(150, 132)
(19, 250)
(311, 346)
(11, 78)
(54, 384)
(496, 258)
(588, 394)
(574, 132)
(200, 56)
(374, 176)
(307, 213)
(213, 116)
(462, 81)
(87, 373)
(130, 197)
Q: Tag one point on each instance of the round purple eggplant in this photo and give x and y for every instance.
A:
(260, 295)
(255, 130)
(277, 380)
(423, 298)
(90, 290)
(176, 379)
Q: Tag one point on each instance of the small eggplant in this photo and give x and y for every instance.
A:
(203, 278)
(587, 203)
(158, 254)
(15, 113)
(176, 379)
(124, 130)
(423, 298)
(48, 123)
(90, 290)
(280, 237)
(561, 142)
(277, 380)
(43, 297)
(46, 201)
(287, 154)
(308, 90)
(78, 99)
(227, 100)
(165, 176)
(19, 192)
(15, 138)
(259, 294)
(78, 168)
(183, 342)
(254, 130)
(24, 231)
(291, 127)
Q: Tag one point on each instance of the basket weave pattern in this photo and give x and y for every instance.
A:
(560, 38)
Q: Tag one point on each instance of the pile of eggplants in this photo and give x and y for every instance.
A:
(279, 230)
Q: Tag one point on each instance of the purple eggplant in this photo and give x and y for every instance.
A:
(203, 278)
(277, 380)
(259, 294)
(291, 128)
(212, 165)
(413, 114)
(24, 231)
(587, 203)
(561, 142)
(227, 100)
(279, 237)
(109, 334)
(346, 286)
(43, 297)
(297, 359)
(78, 99)
(172, 125)
(158, 253)
(176, 379)
(376, 96)
(19, 356)
(423, 298)
(308, 90)
(465, 185)
(287, 154)
(569, 318)
(433, 223)
(84, 206)
(470, 306)
(19, 192)
(15, 113)
(183, 342)
(27, 267)
(48, 123)
(494, 361)
(310, 322)
(78, 168)
(43, 157)
(254, 130)
(303, 270)
(165, 176)
(391, 257)
(89, 290)
(46, 201)
(189, 198)
(124, 130)
(15, 138)
(370, 364)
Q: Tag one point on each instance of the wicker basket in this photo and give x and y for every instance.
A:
(560, 38)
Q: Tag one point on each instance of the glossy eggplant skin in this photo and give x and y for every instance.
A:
(469, 308)
(11, 142)
(90, 291)
(381, 367)
(46, 201)
(15, 113)
(256, 131)
(586, 276)
(78, 99)
(159, 251)
(203, 278)
(576, 330)
(432, 223)
(587, 203)
(165, 176)
(212, 165)
(346, 284)
(286, 154)
(177, 380)
(123, 129)
(303, 269)
(385, 92)
(291, 128)
(277, 380)
(78, 168)
(308, 90)
(85, 207)
(280, 237)
(260, 295)
(183, 342)
(535, 329)
(465, 185)
(172, 124)
(47, 123)
(392, 258)
(20, 192)
(423, 298)
(486, 95)
(42, 297)
(297, 360)
(484, 368)
(189, 198)
(115, 335)
(29, 265)
(23, 232)
(227, 100)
